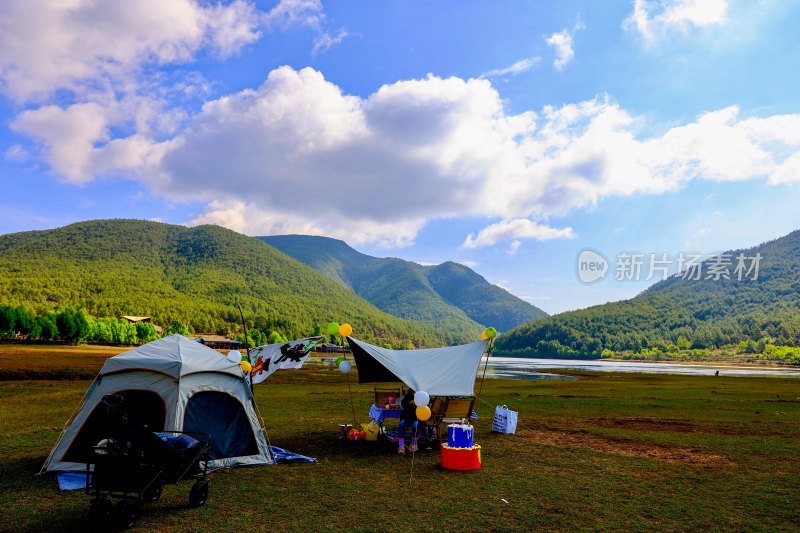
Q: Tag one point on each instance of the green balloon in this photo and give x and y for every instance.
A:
(338, 361)
(491, 333)
(333, 328)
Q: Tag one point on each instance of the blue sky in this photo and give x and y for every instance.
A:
(509, 138)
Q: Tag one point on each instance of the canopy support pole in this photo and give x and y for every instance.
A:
(350, 392)
(488, 354)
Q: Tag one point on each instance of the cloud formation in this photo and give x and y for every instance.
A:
(416, 150)
(94, 47)
(299, 155)
(654, 20)
(518, 228)
(523, 65)
(562, 44)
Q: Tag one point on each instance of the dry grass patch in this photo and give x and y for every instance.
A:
(582, 439)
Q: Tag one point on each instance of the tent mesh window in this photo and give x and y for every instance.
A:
(144, 405)
(224, 418)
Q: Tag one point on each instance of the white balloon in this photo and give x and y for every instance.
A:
(235, 356)
(344, 367)
(421, 398)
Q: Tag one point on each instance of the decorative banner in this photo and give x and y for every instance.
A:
(272, 357)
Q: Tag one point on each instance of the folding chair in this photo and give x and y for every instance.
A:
(382, 395)
(454, 410)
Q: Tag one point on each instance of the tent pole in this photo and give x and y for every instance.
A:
(352, 408)
(488, 354)
(247, 348)
(349, 391)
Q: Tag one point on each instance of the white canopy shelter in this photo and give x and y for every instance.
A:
(447, 371)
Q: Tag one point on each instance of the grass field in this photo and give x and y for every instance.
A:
(607, 452)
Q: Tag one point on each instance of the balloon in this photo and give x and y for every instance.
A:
(333, 328)
(423, 413)
(235, 356)
(484, 337)
(491, 333)
(246, 367)
(345, 330)
(421, 398)
(344, 367)
(339, 361)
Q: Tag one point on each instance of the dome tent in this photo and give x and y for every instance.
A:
(177, 384)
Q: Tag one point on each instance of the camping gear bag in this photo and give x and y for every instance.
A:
(505, 420)
(372, 431)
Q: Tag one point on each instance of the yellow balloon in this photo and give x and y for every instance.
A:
(484, 337)
(345, 330)
(246, 367)
(423, 413)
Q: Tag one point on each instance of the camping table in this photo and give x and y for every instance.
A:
(378, 414)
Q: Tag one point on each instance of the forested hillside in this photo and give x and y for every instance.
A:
(190, 275)
(449, 295)
(683, 313)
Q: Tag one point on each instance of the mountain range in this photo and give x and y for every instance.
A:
(449, 295)
(712, 311)
(201, 276)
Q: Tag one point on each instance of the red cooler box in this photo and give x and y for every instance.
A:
(461, 458)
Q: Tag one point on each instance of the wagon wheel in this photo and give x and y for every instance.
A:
(126, 514)
(100, 513)
(153, 492)
(199, 493)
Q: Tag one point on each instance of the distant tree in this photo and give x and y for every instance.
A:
(102, 331)
(742, 347)
(177, 327)
(275, 337)
(82, 327)
(49, 329)
(8, 319)
(145, 332)
(67, 330)
(317, 331)
(24, 321)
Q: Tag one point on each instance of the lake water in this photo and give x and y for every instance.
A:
(526, 368)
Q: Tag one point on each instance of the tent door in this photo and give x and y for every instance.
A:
(144, 405)
(224, 418)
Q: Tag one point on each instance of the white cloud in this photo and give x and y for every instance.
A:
(654, 20)
(562, 43)
(89, 47)
(290, 13)
(520, 228)
(523, 65)
(470, 264)
(294, 219)
(298, 155)
(305, 13)
(323, 42)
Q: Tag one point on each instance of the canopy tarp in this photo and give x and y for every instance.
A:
(447, 371)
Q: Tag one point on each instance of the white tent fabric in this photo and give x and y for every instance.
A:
(446, 371)
(172, 383)
(175, 356)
